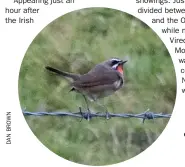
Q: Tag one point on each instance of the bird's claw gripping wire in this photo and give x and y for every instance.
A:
(86, 115)
(107, 115)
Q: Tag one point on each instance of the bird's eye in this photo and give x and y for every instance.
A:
(115, 62)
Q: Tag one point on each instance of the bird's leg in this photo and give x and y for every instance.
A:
(89, 112)
(107, 113)
(81, 113)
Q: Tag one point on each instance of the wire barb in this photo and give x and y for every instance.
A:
(89, 115)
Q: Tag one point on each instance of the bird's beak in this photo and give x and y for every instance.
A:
(123, 62)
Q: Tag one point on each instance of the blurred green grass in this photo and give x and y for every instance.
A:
(75, 43)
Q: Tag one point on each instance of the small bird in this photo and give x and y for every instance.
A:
(101, 81)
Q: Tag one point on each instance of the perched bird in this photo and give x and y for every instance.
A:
(101, 81)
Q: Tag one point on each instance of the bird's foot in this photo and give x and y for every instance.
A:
(87, 115)
(107, 115)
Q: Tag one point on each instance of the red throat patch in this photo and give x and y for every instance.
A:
(120, 69)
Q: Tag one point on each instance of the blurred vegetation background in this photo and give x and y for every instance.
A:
(75, 43)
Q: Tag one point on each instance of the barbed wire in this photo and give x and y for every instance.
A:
(147, 115)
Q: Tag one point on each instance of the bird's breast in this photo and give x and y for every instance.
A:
(118, 84)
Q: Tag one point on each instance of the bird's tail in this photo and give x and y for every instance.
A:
(62, 73)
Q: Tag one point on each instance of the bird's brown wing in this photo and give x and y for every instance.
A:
(96, 77)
